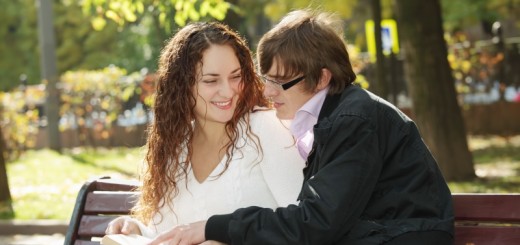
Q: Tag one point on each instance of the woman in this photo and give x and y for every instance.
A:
(212, 146)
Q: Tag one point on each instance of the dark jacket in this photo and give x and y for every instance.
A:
(369, 178)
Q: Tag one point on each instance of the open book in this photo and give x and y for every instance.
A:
(120, 239)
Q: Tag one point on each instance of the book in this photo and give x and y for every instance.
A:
(121, 239)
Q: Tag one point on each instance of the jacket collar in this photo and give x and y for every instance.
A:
(330, 103)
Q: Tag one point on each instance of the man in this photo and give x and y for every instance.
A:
(370, 179)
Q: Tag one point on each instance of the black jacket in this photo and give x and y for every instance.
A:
(369, 178)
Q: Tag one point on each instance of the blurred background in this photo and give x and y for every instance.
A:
(77, 82)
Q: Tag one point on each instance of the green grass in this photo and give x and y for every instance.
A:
(497, 164)
(60, 176)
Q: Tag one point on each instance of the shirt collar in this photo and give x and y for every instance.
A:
(307, 116)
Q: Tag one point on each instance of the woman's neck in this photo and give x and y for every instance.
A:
(210, 132)
(209, 143)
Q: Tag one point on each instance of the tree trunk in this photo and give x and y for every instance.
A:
(381, 83)
(6, 208)
(431, 86)
(49, 71)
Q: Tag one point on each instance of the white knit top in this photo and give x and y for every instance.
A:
(271, 179)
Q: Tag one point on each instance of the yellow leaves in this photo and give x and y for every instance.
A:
(105, 104)
(277, 8)
(111, 14)
(362, 81)
(205, 8)
(465, 65)
(124, 11)
(19, 119)
(139, 6)
(119, 11)
(128, 92)
(98, 23)
(95, 98)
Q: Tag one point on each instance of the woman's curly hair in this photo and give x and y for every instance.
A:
(170, 134)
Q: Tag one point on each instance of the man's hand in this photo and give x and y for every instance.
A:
(182, 235)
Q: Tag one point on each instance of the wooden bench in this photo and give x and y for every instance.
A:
(480, 219)
(99, 202)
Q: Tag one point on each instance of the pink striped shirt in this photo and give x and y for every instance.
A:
(304, 120)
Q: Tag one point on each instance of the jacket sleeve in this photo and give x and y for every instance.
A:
(331, 200)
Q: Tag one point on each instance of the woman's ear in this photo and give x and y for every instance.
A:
(325, 78)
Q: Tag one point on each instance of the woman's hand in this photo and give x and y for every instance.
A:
(123, 225)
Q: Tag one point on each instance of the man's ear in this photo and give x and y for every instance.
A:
(325, 78)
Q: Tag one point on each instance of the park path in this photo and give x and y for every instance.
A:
(56, 239)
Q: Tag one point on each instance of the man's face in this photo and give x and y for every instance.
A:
(286, 102)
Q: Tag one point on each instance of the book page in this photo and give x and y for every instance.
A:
(120, 239)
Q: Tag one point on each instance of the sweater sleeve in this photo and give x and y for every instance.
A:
(330, 201)
(281, 165)
(145, 231)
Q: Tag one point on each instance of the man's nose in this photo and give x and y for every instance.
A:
(270, 90)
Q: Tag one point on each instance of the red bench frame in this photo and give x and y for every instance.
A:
(480, 219)
(99, 202)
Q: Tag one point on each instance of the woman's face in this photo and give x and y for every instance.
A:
(218, 86)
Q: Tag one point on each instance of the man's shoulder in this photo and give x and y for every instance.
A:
(367, 105)
(356, 101)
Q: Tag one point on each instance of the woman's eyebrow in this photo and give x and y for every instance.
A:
(236, 70)
(211, 74)
(216, 74)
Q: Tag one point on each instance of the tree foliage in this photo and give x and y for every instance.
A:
(463, 13)
(79, 46)
(19, 46)
(129, 11)
(93, 100)
(277, 8)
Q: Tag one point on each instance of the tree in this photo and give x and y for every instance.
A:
(431, 86)
(49, 72)
(6, 208)
(19, 46)
(464, 13)
(128, 11)
(381, 82)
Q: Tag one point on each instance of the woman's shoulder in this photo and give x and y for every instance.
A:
(259, 113)
(263, 118)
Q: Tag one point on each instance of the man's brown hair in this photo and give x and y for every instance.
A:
(303, 43)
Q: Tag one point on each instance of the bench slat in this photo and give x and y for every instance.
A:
(487, 207)
(116, 185)
(109, 202)
(474, 235)
(99, 202)
(80, 242)
(94, 226)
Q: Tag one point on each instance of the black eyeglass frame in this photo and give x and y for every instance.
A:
(286, 85)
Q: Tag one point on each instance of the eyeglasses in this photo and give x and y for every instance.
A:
(284, 86)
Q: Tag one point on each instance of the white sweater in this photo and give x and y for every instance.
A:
(272, 179)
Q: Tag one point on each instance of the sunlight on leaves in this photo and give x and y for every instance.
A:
(98, 23)
(125, 11)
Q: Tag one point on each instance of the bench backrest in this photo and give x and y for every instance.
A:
(98, 203)
(482, 219)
